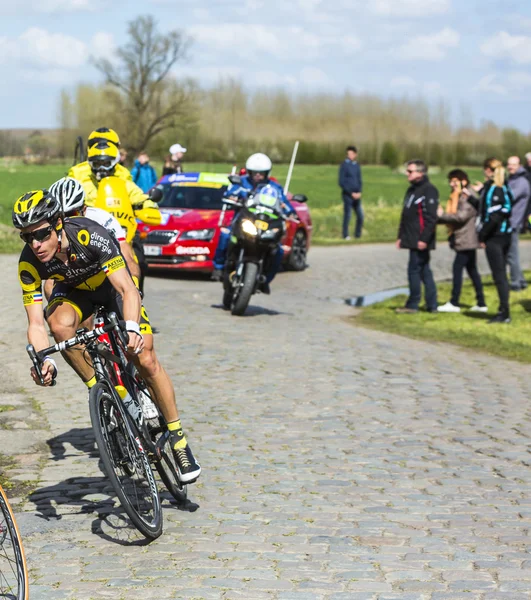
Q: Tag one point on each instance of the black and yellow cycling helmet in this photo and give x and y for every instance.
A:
(35, 207)
(103, 134)
(103, 158)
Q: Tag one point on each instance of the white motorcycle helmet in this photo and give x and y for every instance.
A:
(70, 194)
(258, 163)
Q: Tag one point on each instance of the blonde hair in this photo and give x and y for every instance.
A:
(499, 171)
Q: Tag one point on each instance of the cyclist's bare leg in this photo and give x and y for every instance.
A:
(157, 379)
(63, 321)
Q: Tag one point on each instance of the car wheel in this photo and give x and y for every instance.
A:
(299, 249)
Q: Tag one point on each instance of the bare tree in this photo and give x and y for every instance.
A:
(153, 100)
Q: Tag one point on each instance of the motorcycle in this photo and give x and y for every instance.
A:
(256, 232)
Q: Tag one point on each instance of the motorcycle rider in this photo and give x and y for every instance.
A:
(258, 167)
(83, 172)
(103, 161)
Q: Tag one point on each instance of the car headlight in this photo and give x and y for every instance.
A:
(198, 234)
(249, 227)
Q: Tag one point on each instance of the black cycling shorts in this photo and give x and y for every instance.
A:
(85, 302)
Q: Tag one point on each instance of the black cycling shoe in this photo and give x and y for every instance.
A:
(264, 288)
(189, 469)
(217, 275)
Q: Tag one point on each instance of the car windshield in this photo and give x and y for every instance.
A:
(202, 198)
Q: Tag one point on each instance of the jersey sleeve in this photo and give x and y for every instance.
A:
(116, 228)
(136, 195)
(29, 278)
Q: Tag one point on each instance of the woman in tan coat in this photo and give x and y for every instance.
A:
(460, 217)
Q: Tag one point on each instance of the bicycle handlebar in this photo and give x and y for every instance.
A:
(82, 337)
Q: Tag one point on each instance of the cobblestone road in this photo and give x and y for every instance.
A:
(339, 463)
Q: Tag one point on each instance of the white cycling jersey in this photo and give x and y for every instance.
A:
(106, 220)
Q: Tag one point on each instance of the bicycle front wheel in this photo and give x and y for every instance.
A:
(13, 568)
(125, 461)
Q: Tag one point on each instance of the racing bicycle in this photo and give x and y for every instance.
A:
(129, 442)
(13, 569)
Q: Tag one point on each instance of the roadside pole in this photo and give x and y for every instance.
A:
(291, 165)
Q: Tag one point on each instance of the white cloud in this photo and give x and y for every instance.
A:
(489, 85)
(39, 52)
(256, 41)
(430, 47)
(515, 84)
(513, 47)
(313, 77)
(410, 8)
(48, 6)
(102, 45)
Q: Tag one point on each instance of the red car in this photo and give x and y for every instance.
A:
(192, 216)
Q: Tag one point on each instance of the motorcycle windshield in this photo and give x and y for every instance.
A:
(268, 197)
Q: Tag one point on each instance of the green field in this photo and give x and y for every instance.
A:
(470, 330)
(382, 197)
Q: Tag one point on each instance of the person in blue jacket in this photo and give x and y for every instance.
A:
(143, 173)
(351, 184)
(258, 167)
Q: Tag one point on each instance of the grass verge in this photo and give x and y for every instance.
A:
(470, 330)
(383, 193)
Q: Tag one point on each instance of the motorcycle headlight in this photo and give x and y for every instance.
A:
(198, 234)
(270, 233)
(249, 227)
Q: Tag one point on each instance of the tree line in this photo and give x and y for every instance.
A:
(151, 108)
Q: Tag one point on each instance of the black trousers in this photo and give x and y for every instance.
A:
(497, 249)
(419, 271)
(466, 259)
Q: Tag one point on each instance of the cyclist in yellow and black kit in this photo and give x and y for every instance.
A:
(85, 261)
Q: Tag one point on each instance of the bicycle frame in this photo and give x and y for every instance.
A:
(97, 347)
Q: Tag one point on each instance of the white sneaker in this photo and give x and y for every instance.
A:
(477, 308)
(449, 308)
(347, 238)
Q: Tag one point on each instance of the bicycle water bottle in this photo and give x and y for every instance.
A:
(130, 405)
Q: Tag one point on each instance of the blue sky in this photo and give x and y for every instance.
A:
(475, 53)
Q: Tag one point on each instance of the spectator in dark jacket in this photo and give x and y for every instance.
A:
(460, 217)
(495, 232)
(143, 173)
(417, 234)
(351, 185)
(521, 191)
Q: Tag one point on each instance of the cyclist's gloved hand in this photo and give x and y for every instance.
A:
(135, 345)
(48, 372)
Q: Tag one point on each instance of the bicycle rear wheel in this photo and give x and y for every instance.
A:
(156, 428)
(13, 569)
(125, 461)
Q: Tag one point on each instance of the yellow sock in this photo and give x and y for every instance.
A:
(176, 428)
(91, 382)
